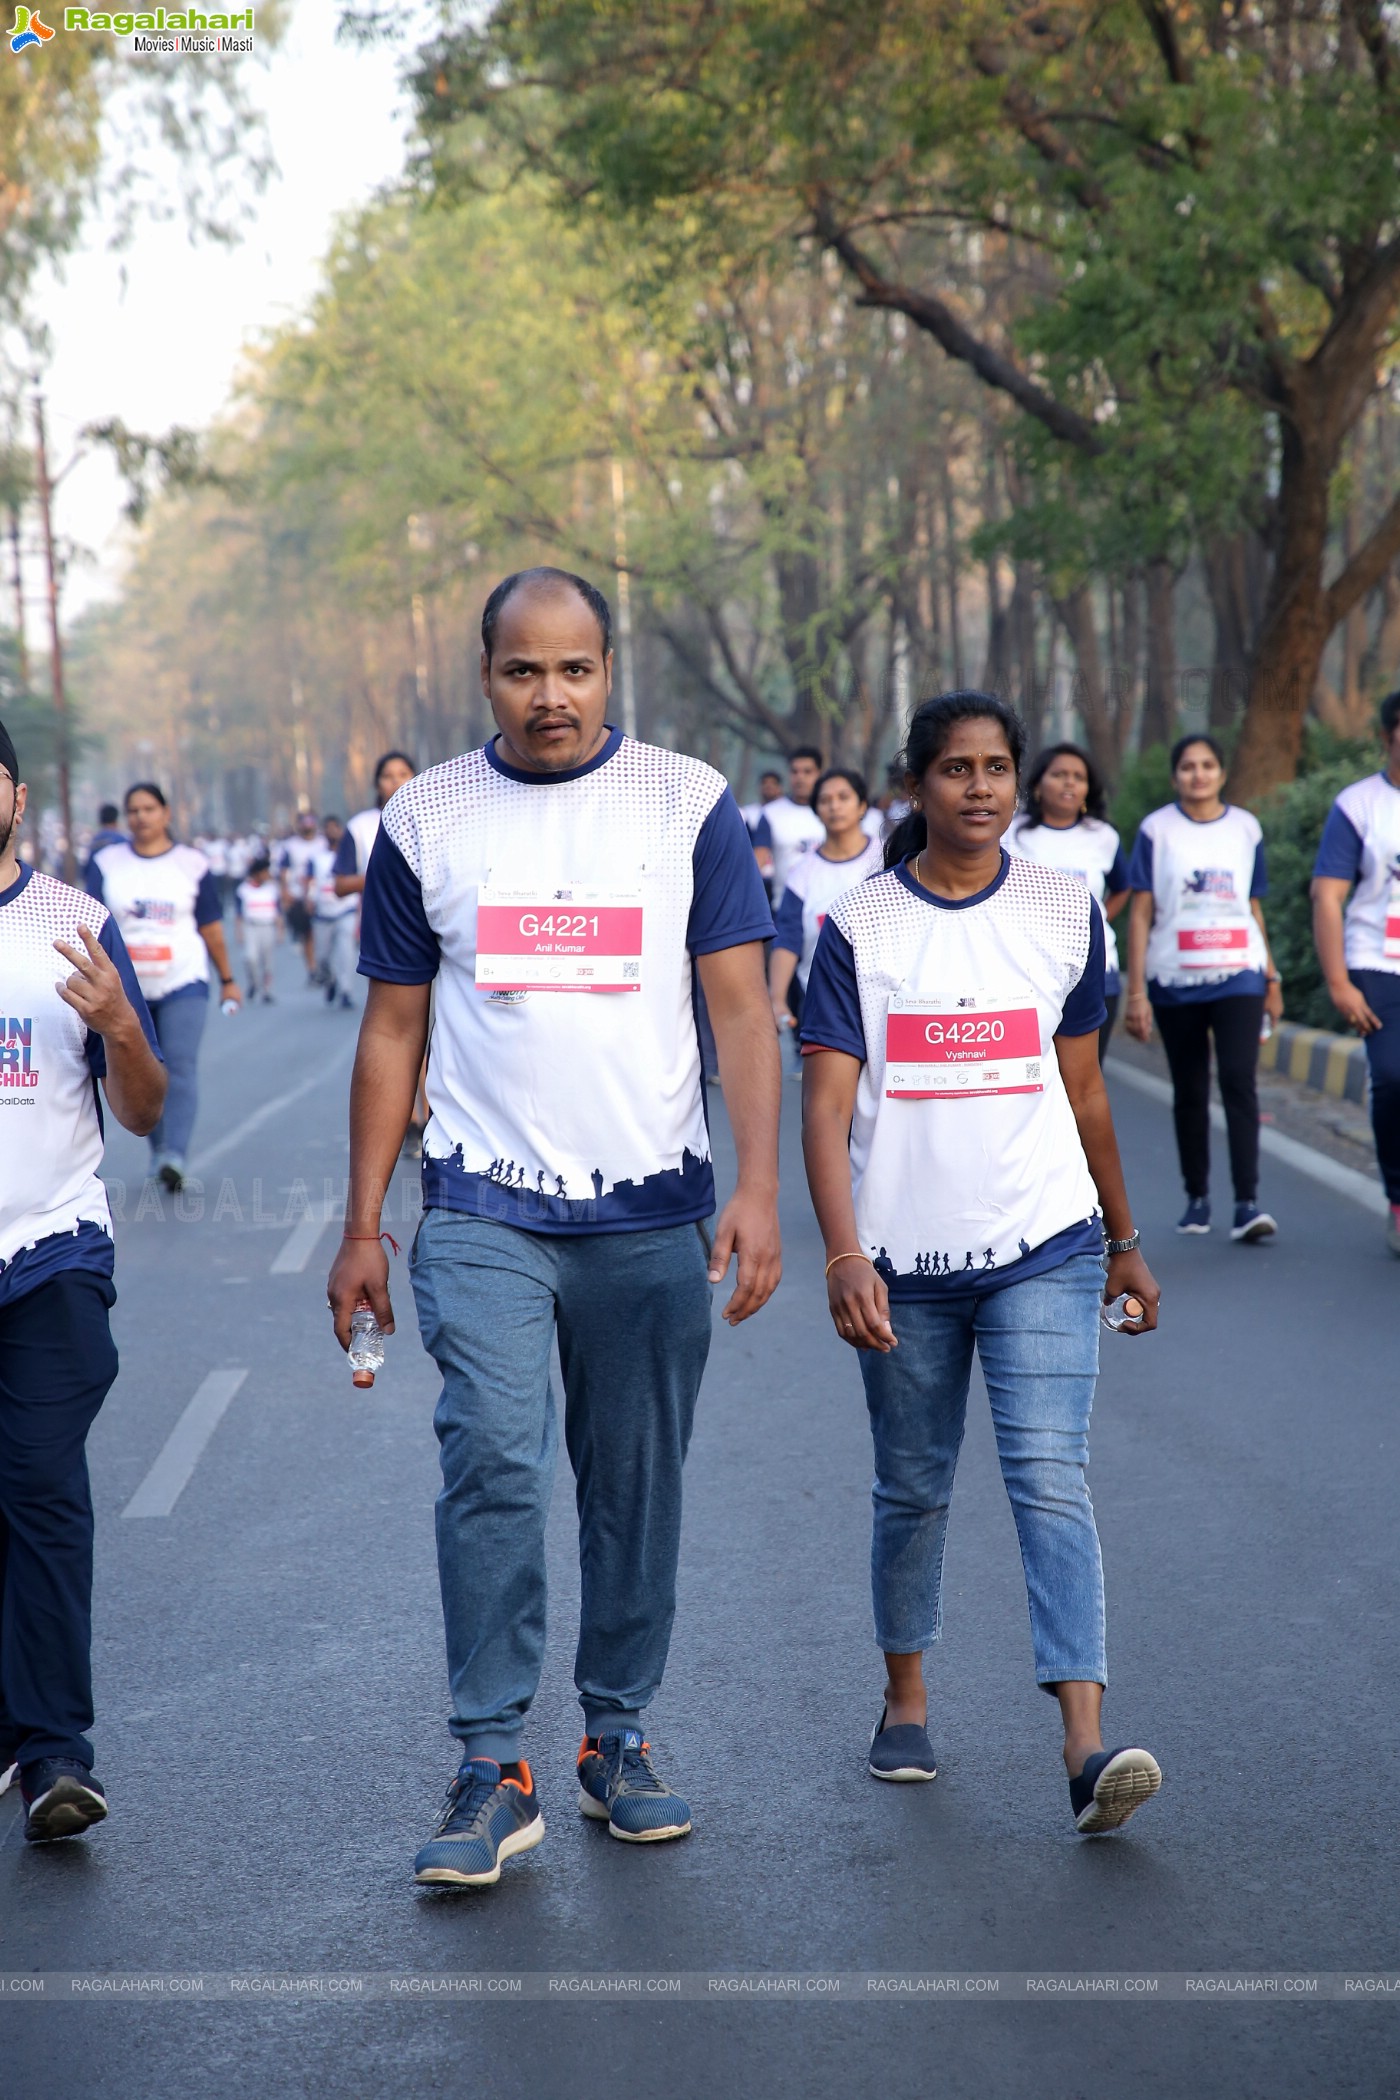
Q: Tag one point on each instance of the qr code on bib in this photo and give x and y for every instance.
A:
(631, 969)
(1033, 1068)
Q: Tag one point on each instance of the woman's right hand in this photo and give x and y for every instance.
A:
(860, 1306)
(782, 1015)
(1138, 1018)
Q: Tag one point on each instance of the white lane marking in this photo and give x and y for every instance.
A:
(1343, 1181)
(232, 1139)
(301, 1242)
(184, 1447)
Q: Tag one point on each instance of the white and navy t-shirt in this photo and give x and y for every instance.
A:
(1088, 849)
(294, 861)
(258, 902)
(324, 868)
(563, 1110)
(967, 1169)
(53, 1208)
(160, 901)
(813, 886)
(1205, 942)
(787, 829)
(357, 842)
(1361, 844)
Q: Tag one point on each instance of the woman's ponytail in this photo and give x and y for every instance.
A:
(910, 836)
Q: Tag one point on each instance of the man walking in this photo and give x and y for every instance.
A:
(561, 886)
(57, 1361)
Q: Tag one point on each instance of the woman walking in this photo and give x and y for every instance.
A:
(1065, 825)
(165, 900)
(1199, 965)
(846, 855)
(963, 1166)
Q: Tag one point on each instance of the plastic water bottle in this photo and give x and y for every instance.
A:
(366, 1344)
(1123, 1311)
(1266, 1028)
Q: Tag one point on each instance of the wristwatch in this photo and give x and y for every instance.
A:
(1129, 1246)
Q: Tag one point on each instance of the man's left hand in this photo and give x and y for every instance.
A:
(748, 1227)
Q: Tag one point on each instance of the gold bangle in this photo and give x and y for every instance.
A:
(854, 1255)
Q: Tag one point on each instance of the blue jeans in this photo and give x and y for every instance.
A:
(1382, 993)
(631, 1311)
(179, 1024)
(1039, 1346)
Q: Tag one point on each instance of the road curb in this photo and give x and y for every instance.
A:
(1326, 1063)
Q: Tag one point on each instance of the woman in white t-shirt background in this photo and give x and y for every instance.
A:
(166, 902)
(1065, 825)
(846, 855)
(964, 1170)
(1199, 965)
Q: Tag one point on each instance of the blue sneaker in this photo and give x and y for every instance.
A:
(485, 1819)
(1196, 1216)
(1111, 1786)
(61, 1798)
(903, 1752)
(1251, 1223)
(617, 1786)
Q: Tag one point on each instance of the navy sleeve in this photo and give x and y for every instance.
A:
(831, 1006)
(1118, 877)
(397, 945)
(728, 905)
(208, 905)
(112, 945)
(788, 920)
(346, 859)
(762, 834)
(92, 879)
(1259, 882)
(1086, 1009)
(1140, 866)
(1339, 852)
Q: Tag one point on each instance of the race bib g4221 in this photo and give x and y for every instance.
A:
(959, 1050)
(566, 939)
(1391, 950)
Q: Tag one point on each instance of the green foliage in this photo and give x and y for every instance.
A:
(1146, 783)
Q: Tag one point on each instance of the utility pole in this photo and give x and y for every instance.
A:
(624, 602)
(17, 579)
(60, 703)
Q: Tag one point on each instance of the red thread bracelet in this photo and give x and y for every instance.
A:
(375, 1236)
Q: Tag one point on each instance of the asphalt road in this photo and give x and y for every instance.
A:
(272, 1698)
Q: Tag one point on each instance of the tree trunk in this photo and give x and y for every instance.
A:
(1159, 713)
(1283, 676)
(1090, 697)
(1132, 659)
(1234, 570)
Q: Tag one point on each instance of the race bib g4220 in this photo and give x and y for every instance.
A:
(962, 1049)
(566, 939)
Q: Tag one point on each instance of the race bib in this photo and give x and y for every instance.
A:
(955, 1050)
(571, 939)
(1213, 935)
(150, 958)
(1392, 921)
